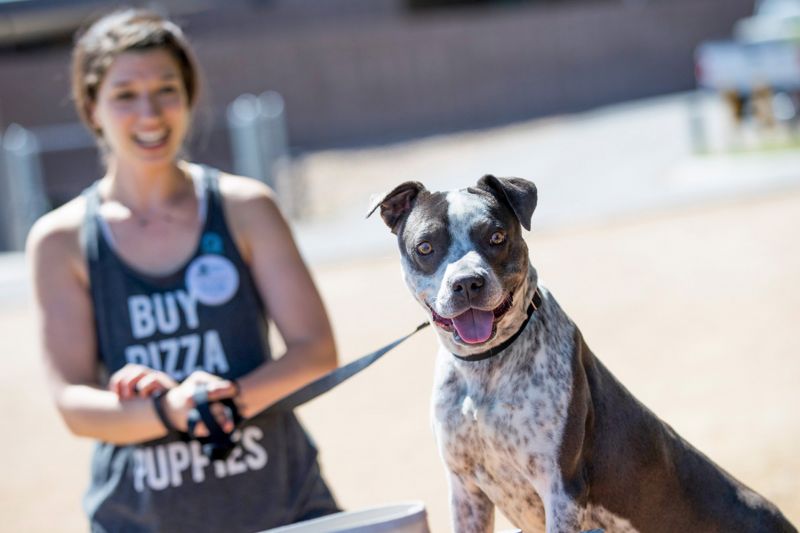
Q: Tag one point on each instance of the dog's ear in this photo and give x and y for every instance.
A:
(519, 194)
(397, 203)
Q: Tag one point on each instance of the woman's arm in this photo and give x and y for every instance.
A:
(67, 340)
(287, 290)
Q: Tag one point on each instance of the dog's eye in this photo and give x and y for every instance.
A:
(424, 248)
(498, 237)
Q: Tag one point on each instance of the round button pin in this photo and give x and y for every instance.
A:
(212, 279)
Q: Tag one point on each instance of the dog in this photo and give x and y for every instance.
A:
(526, 418)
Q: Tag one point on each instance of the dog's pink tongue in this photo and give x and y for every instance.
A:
(474, 326)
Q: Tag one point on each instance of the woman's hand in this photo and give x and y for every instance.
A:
(138, 381)
(180, 400)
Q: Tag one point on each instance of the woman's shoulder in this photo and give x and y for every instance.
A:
(241, 190)
(249, 201)
(252, 213)
(58, 231)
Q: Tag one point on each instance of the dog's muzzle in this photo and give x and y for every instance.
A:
(473, 326)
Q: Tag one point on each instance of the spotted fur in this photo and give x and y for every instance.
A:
(543, 431)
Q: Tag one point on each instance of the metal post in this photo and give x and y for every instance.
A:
(259, 142)
(5, 216)
(698, 136)
(274, 139)
(275, 150)
(243, 124)
(24, 200)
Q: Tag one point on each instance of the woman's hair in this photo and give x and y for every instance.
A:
(129, 30)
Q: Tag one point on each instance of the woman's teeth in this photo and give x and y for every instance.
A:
(151, 138)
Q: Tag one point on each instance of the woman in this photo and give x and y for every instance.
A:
(155, 283)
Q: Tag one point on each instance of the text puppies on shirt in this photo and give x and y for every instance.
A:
(179, 463)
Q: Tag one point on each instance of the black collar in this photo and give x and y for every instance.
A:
(536, 302)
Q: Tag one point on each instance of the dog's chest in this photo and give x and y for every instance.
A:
(500, 425)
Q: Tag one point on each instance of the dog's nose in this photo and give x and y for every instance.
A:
(468, 286)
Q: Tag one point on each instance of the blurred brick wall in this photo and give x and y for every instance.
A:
(374, 72)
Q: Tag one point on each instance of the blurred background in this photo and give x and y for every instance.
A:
(663, 138)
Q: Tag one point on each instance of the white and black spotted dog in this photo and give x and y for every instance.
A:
(526, 418)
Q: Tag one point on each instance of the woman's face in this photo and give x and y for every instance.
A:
(142, 107)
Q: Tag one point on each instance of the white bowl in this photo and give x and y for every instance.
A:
(407, 517)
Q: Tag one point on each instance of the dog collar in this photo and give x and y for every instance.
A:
(536, 302)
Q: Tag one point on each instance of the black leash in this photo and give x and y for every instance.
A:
(335, 377)
(218, 444)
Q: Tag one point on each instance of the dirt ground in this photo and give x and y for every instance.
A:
(693, 309)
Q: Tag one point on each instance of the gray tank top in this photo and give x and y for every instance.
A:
(207, 315)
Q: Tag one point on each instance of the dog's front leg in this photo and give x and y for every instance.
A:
(562, 513)
(470, 510)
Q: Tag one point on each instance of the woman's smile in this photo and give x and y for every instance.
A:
(152, 139)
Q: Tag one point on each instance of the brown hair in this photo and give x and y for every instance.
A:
(125, 31)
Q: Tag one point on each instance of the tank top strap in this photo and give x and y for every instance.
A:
(217, 236)
(215, 211)
(89, 236)
(210, 178)
(91, 241)
(215, 214)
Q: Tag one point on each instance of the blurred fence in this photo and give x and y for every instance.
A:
(256, 131)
